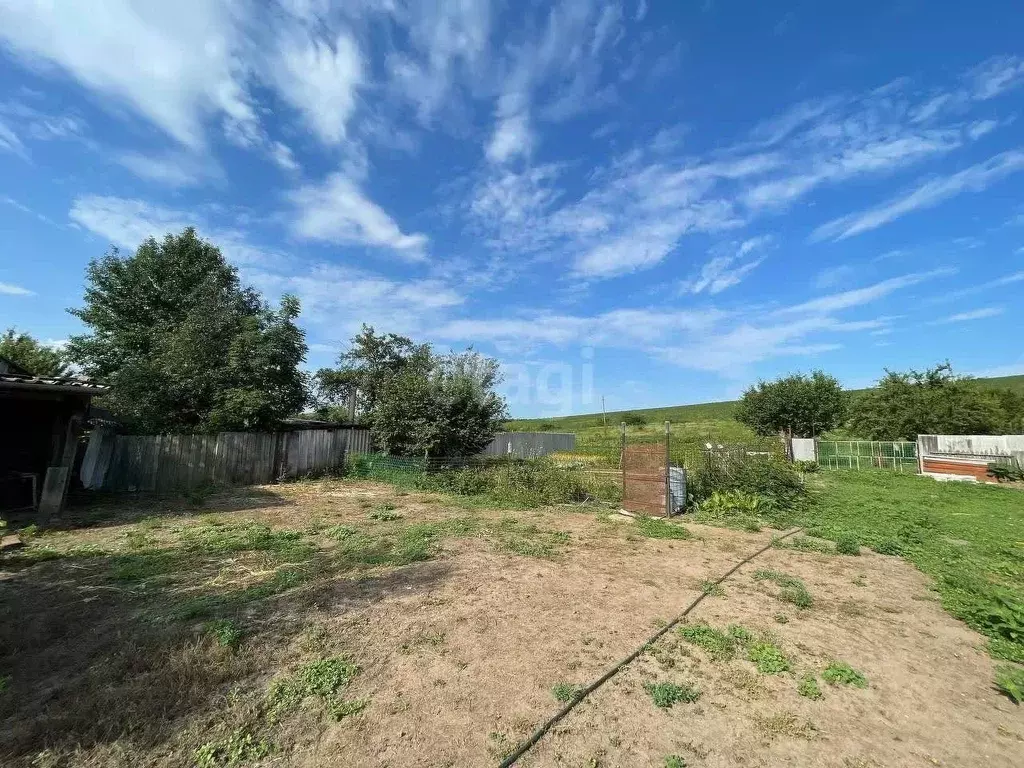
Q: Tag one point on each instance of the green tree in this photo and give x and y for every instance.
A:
(936, 401)
(797, 405)
(439, 405)
(183, 345)
(364, 369)
(36, 358)
(414, 400)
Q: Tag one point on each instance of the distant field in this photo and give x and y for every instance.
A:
(691, 424)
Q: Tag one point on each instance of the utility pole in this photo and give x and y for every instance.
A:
(604, 414)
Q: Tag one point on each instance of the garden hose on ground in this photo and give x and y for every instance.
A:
(527, 745)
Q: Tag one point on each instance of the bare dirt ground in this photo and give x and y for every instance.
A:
(458, 654)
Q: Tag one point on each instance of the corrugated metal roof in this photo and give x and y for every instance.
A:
(68, 383)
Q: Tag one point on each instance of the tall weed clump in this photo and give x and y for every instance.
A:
(750, 489)
(514, 482)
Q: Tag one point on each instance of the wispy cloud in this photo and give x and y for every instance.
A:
(339, 299)
(9, 289)
(337, 211)
(974, 314)
(319, 77)
(190, 71)
(180, 169)
(126, 223)
(836, 302)
(9, 141)
(726, 269)
(975, 179)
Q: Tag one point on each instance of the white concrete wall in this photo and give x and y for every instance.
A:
(973, 445)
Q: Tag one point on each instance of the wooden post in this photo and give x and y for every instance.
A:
(668, 484)
(622, 455)
(58, 475)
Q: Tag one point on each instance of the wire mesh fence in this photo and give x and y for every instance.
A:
(898, 455)
(545, 480)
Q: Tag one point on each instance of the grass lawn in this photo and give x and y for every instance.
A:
(969, 538)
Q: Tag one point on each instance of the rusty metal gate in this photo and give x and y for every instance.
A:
(645, 479)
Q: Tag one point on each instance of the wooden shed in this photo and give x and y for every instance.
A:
(41, 419)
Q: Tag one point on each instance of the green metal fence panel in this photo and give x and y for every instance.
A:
(898, 455)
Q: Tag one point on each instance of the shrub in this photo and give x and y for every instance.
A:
(806, 466)
(768, 477)
(847, 545)
(634, 420)
(1006, 473)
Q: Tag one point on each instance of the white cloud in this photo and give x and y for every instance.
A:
(975, 178)
(974, 314)
(178, 169)
(127, 223)
(722, 271)
(9, 289)
(830, 277)
(320, 78)
(447, 40)
(856, 297)
(337, 211)
(980, 128)
(282, 155)
(996, 76)
(173, 63)
(9, 141)
(342, 298)
(512, 137)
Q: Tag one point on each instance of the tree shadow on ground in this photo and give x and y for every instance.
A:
(100, 670)
(89, 509)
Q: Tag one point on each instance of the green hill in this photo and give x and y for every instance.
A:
(697, 412)
(692, 425)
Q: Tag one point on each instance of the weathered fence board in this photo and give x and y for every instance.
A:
(160, 463)
(178, 462)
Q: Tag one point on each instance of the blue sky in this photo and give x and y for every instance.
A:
(654, 202)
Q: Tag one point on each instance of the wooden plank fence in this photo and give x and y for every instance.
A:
(159, 463)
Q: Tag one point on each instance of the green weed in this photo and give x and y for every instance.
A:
(808, 687)
(741, 635)
(665, 695)
(715, 643)
(654, 528)
(768, 657)
(841, 673)
(323, 679)
(236, 749)
(847, 545)
(675, 761)
(226, 632)
(566, 692)
(712, 588)
(1010, 682)
(792, 589)
(803, 543)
